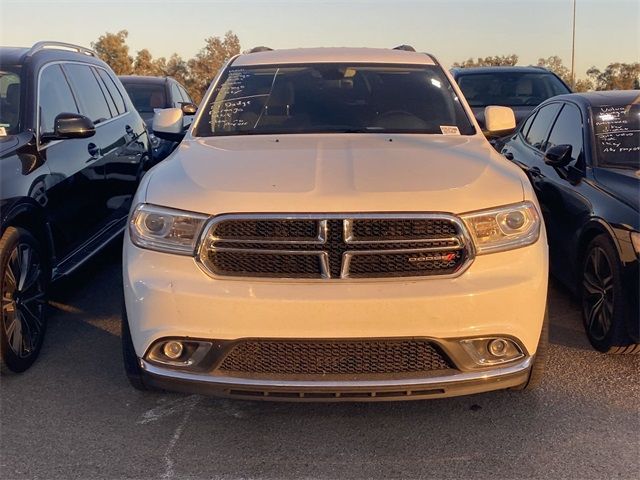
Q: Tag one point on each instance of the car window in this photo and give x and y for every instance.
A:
(527, 123)
(9, 101)
(114, 91)
(146, 97)
(539, 131)
(510, 89)
(185, 95)
(176, 98)
(568, 130)
(107, 95)
(86, 88)
(54, 97)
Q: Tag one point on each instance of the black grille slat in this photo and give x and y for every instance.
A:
(333, 357)
(404, 264)
(285, 229)
(291, 247)
(401, 229)
(245, 264)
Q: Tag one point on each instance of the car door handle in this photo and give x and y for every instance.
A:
(508, 155)
(93, 150)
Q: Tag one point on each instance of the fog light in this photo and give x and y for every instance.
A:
(492, 350)
(498, 347)
(173, 349)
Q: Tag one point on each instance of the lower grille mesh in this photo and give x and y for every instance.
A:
(333, 357)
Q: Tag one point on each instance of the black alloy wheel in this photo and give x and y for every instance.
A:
(23, 286)
(598, 297)
(605, 310)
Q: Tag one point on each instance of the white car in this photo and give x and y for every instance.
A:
(334, 226)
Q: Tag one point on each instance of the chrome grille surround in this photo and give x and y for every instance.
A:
(335, 245)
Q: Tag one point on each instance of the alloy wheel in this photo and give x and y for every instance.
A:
(598, 296)
(23, 300)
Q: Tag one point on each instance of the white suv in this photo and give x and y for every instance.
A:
(334, 226)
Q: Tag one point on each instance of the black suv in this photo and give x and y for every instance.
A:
(72, 151)
(520, 88)
(151, 93)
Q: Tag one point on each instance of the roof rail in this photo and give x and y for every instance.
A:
(46, 45)
(432, 57)
(406, 48)
(260, 49)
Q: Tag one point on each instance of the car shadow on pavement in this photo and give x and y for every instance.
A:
(75, 415)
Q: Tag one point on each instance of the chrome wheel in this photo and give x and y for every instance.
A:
(23, 300)
(598, 296)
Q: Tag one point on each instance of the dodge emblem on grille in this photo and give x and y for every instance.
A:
(447, 257)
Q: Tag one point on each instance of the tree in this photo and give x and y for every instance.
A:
(144, 64)
(555, 65)
(204, 66)
(497, 61)
(113, 50)
(617, 76)
(177, 68)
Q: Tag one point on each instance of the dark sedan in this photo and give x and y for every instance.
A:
(582, 155)
(520, 88)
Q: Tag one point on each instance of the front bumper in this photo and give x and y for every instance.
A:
(448, 385)
(502, 294)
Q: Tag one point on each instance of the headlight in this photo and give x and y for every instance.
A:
(635, 240)
(504, 228)
(165, 229)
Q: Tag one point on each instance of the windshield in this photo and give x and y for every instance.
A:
(9, 100)
(146, 97)
(325, 98)
(510, 89)
(617, 132)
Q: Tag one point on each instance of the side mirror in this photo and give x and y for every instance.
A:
(70, 125)
(558, 155)
(188, 108)
(168, 124)
(498, 121)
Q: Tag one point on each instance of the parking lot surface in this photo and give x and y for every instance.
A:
(73, 415)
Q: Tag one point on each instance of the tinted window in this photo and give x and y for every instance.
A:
(567, 130)
(333, 98)
(146, 97)
(527, 123)
(537, 135)
(176, 98)
(510, 89)
(9, 101)
(185, 95)
(86, 88)
(107, 95)
(114, 91)
(55, 97)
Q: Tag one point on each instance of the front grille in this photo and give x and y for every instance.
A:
(291, 246)
(332, 357)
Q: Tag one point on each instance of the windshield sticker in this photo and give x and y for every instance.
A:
(449, 130)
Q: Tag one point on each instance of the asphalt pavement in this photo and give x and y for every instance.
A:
(73, 415)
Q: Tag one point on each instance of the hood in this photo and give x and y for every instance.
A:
(623, 184)
(335, 173)
(521, 113)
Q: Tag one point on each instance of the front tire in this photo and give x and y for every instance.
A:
(23, 285)
(605, 309)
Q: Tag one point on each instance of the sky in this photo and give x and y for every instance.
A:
(606, 30)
